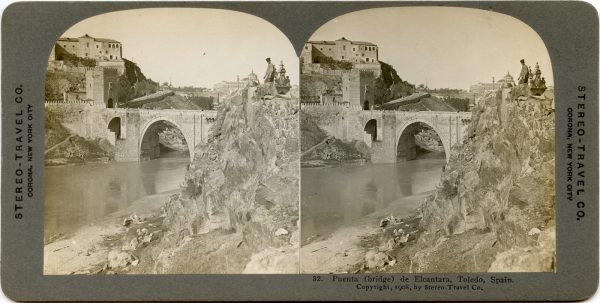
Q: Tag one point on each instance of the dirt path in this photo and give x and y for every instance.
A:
(58, 144)
(316, 145)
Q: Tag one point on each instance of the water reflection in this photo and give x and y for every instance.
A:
(79, 195)
(337, 196)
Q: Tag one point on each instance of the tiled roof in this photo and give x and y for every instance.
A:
(87, 36)
(363, 43)
(68, 39)
(343, 39)
(322, 42)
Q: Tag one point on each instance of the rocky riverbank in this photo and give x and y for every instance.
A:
(86, 250)
(350, 249)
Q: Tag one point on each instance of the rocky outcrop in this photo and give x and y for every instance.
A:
(494, 209)
(429, 140)
(246, 178)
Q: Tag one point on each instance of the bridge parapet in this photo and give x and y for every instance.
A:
(336, 106)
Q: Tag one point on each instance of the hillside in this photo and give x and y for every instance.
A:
(133, 83)
(388, 86)
(319, 148)
(313, 85)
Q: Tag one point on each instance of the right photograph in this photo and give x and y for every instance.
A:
(427, 144)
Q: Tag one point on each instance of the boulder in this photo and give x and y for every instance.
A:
(375, 259)
(281, 232)
(119, 259)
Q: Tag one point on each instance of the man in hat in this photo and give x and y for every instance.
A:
(270, 73)
(524, 76)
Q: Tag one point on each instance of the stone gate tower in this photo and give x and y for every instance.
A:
(102, 86)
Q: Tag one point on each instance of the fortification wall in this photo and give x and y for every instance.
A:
(341, 121)
(70, 115)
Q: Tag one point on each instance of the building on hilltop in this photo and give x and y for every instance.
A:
(480, 88)
(227, 87)
(342, 50)
(106, 52)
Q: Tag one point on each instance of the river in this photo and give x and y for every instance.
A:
(82, 194)
(335, 197)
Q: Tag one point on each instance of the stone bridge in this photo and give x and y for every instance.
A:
(136, 130)
(390, 134)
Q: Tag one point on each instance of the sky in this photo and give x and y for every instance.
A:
(444, 47)
(193, 46)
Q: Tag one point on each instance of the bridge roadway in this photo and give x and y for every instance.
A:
(136, 130)
(389, 133)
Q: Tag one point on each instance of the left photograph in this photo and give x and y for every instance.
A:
(171, 145)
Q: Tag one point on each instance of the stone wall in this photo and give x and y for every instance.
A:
(342, 122)
(71, 116)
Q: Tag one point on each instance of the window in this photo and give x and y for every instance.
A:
(86, 54)
(110, 56)
(88, 44)
(354, 49)
(65, 46)
(342, 57)
(330, 49)
(96, 45)
(306, 47)
(367, 59)
(363, 54)
(116, 46)
(344, 47)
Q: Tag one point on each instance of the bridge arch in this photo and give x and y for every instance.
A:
(370, 131)
(153, 123)
(114, 125)
(403, 134)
